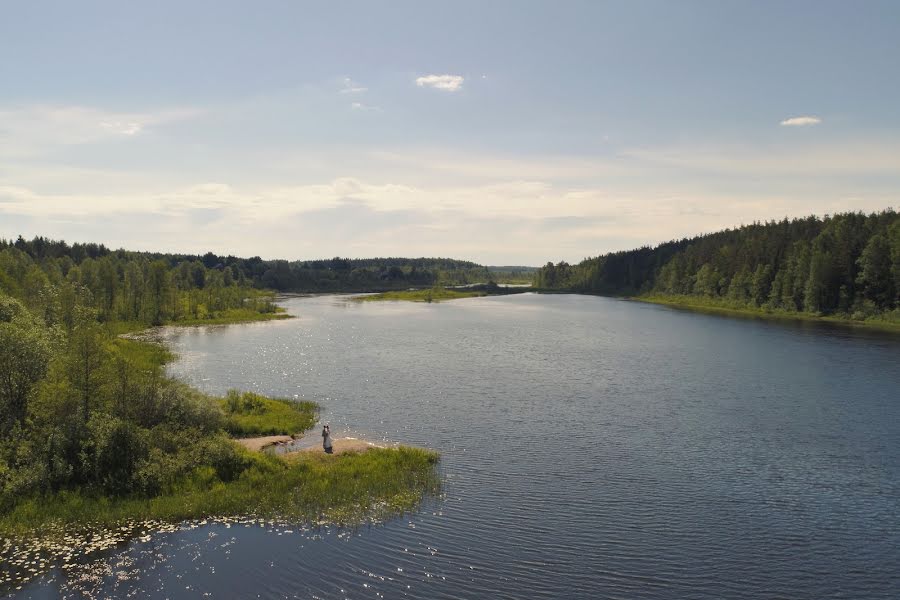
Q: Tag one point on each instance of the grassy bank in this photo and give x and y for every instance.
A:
(248, 414)
(349, 488)
(440, 294)
(429, 295)
(889, 322)
(233, 316)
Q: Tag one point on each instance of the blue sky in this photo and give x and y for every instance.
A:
(502, 132)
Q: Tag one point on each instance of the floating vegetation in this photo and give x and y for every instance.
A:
(87, 554)
(292, 495)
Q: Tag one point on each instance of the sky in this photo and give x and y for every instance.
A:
(504, 132)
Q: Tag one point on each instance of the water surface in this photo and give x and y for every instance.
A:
(592, 448)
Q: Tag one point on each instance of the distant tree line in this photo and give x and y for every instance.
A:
(847, 264)
(329, 275)
(358, 275)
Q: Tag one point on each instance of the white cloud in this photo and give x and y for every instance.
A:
(449, 83)
(801, 121)
(352, 87)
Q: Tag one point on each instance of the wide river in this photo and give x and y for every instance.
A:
(591, 448)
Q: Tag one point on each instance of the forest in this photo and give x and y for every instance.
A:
(844, 265)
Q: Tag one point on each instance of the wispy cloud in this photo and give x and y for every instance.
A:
(123, 127)
(448, 83)
(801, 121)
(352, 87)
(26, 130)
(851, 158)
(509, 220)
(364, 107)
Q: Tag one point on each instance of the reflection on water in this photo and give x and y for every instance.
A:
(592, 448)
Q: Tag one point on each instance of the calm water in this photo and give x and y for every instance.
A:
(592, 448)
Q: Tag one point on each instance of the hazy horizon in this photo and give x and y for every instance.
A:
(506, 134)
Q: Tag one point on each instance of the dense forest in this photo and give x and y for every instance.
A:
(331, 275)
(846, 264)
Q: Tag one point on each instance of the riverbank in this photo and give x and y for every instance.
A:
(712, 306)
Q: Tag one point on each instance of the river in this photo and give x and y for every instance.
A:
(591, 448)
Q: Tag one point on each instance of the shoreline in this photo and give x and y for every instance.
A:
(698, 306)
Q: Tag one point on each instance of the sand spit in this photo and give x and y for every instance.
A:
(342, 445)
(285, 444)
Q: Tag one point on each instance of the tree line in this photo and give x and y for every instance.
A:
(55, 280)
(328, 275)
(845, 264)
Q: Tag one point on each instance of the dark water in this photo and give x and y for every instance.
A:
(592, 448)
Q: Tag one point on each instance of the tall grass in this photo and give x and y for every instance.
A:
(249, 414)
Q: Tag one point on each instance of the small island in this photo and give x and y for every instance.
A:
(440, 293)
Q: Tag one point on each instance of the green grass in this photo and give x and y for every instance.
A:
(731, 307)
(250, 414)
(347, 488)
(234, 315)
(429, 295)
(142, 354)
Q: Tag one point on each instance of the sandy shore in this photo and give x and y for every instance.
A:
(258, 443)
(339, 445)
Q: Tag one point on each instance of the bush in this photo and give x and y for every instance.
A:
(113, 454)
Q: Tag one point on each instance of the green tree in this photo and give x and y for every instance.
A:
(761, 284)
(25, 351)
(84, 361)
(706, 281)
(875, 275)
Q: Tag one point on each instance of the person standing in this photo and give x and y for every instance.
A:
(326, 440)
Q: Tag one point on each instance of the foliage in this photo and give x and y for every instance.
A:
(846, 265)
